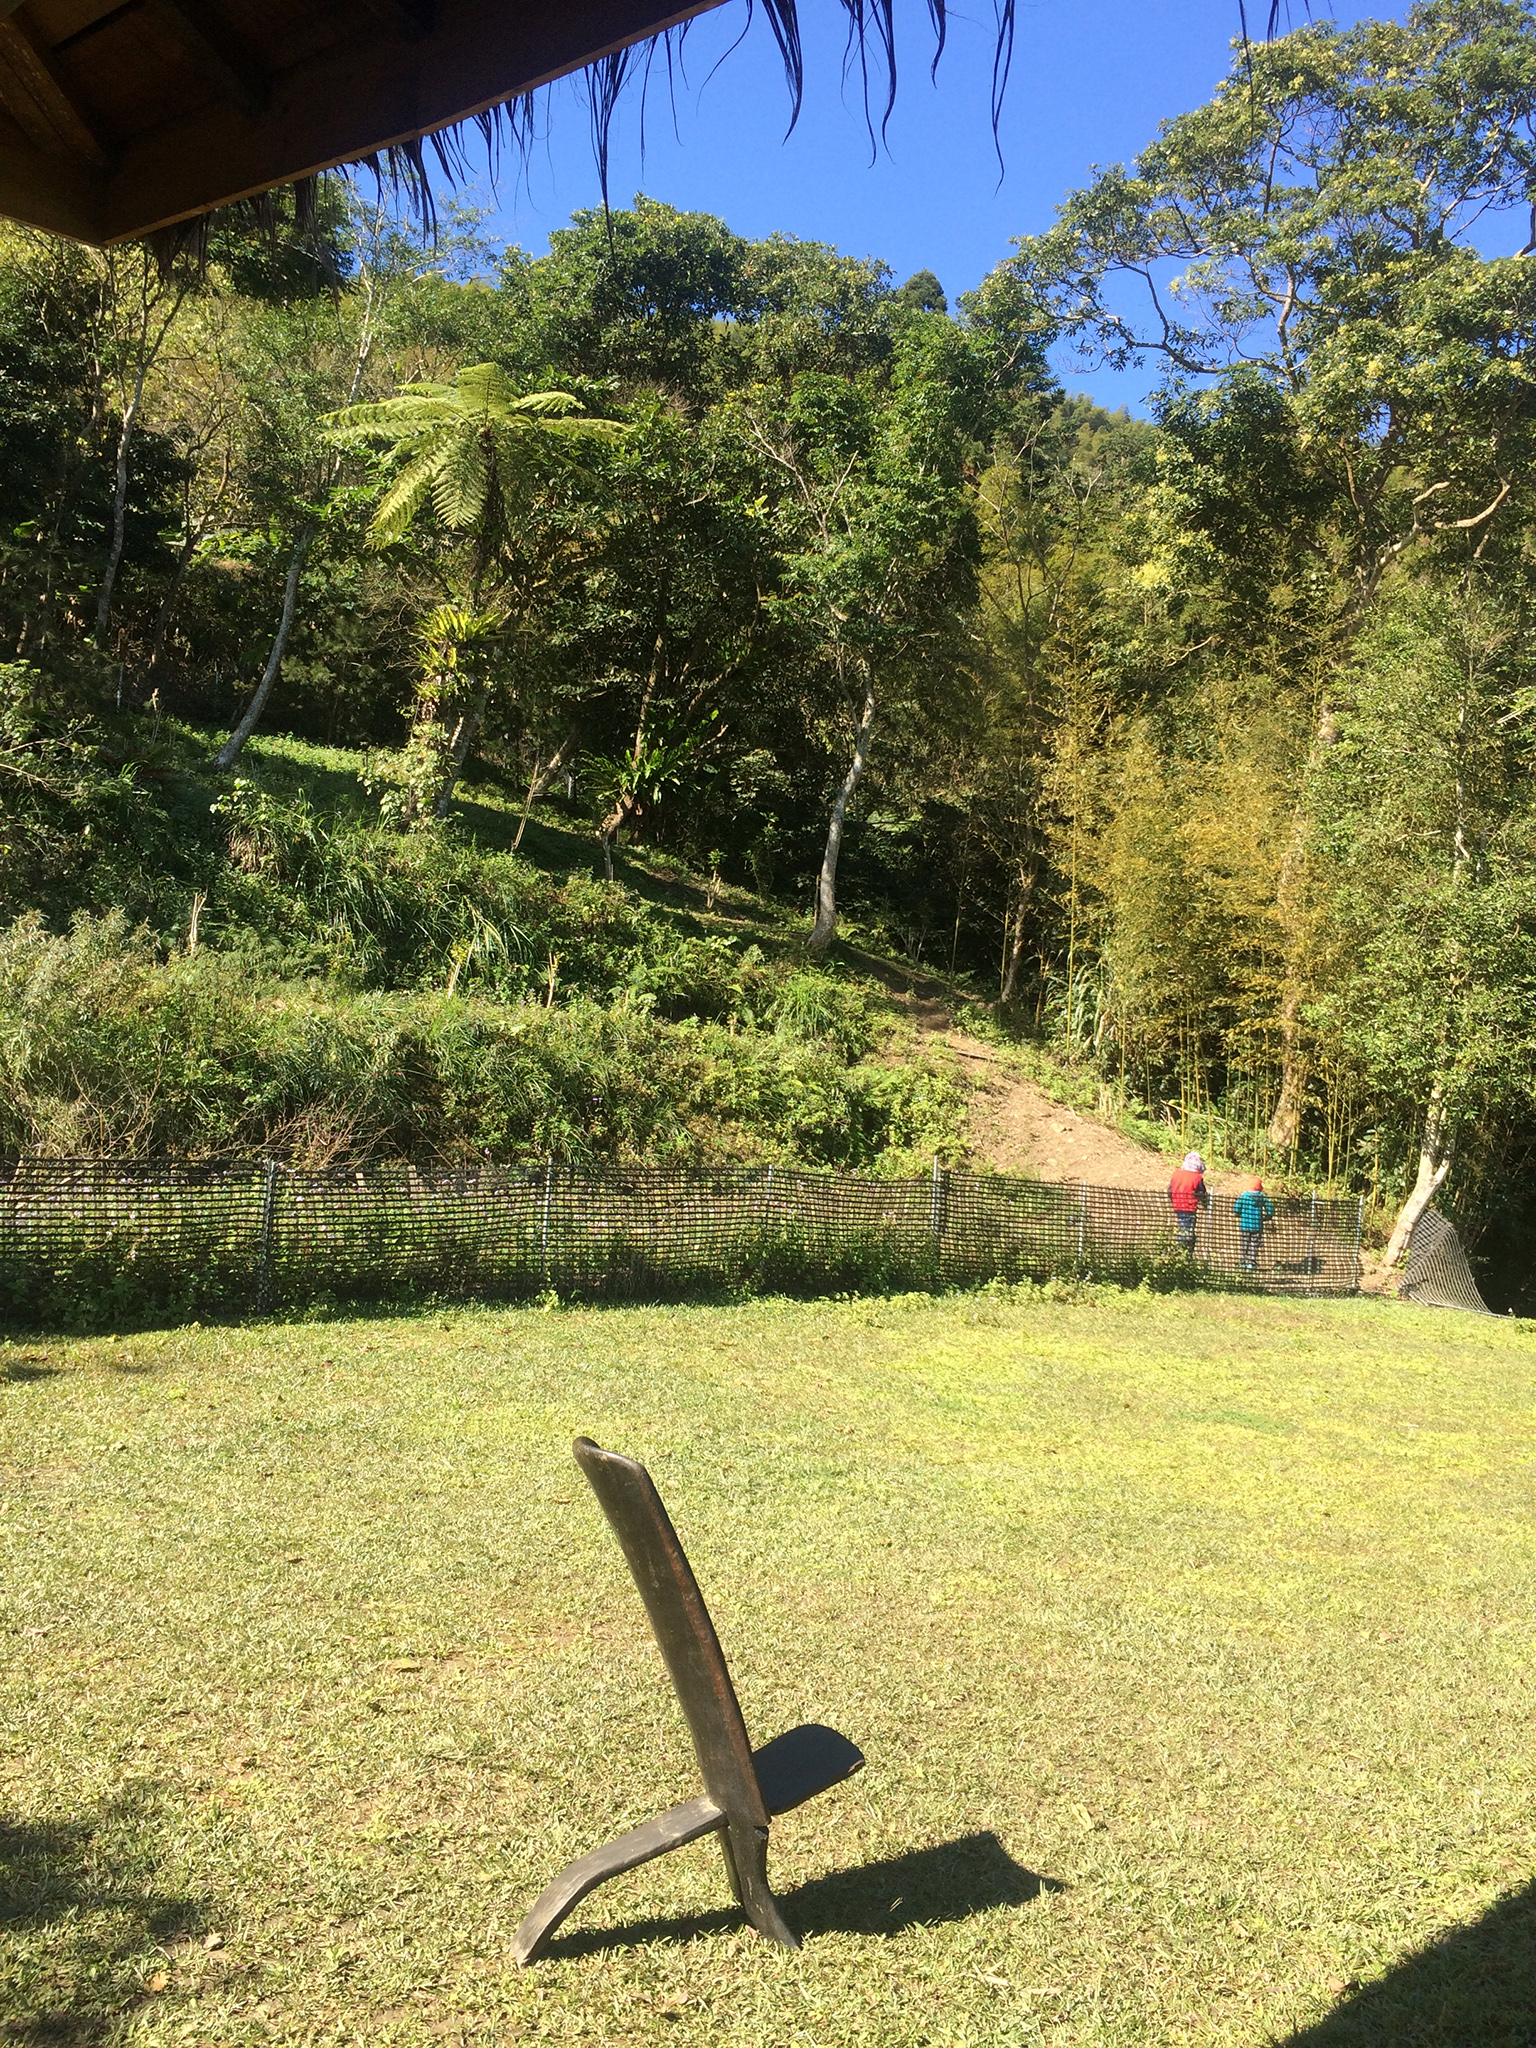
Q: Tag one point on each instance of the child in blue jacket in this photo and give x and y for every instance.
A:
(1253, 1209)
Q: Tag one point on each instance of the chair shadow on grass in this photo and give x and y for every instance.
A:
(1475, 1987)
(80, 1917)
(950, 1881)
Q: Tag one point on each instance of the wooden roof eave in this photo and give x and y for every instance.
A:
(391, 83)
(50, 192)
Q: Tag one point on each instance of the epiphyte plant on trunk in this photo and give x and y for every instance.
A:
(457, 649)
(478, 453)
(652, 764)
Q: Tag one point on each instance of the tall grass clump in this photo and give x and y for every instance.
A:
(109, 1046)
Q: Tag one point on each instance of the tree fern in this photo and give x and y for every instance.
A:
(468, 446)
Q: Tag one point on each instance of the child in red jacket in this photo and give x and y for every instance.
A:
(1188, 1195)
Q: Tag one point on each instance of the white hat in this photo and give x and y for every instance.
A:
(1193, 1163)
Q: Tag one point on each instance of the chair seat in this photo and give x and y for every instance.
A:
(803, 1761)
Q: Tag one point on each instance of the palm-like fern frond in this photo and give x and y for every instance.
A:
(462, 445)
(462, 481)
(407, 494)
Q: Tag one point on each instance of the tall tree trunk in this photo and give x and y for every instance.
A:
(1285, 1123)
(149, 345)
(230, 751)
(1014, 958)
(119, 506)
(539, 781)
(826, 881)
(1435, 1156)
(471, 718)
(627, 802)
(627, 807)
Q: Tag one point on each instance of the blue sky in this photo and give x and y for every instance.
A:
(1091, 80)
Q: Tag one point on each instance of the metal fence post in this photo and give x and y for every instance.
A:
(1312, 1245)
(936, 1215)
(1082, 1225)
(549, 1181)
(268, 1230)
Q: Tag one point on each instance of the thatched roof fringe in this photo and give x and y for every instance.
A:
(871, 47)
(403, 167)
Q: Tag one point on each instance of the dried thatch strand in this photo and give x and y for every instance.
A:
(402, 167)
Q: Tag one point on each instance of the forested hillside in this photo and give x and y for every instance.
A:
(1198, 746)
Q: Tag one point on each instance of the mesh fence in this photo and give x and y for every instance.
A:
(1436, 1270)
(106, 1238)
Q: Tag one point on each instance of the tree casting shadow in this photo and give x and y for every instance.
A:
(79, 1912)
(950, 1881)
(1473, 1988)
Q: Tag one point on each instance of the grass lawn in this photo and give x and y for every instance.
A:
(1190, 1640)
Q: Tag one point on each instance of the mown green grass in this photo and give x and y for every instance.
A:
(1215, 1615)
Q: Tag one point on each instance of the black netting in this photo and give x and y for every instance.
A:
(1436, 1272)
(111, 1237)
(122, 1235)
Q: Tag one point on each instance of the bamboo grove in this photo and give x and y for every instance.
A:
(1199, 746)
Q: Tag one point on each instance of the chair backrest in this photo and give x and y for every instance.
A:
(684, 1632)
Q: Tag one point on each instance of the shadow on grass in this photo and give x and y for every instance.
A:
(24, 1370)
(1473, 1988)
(332, 786)
(951, 1881)
(81, 1916)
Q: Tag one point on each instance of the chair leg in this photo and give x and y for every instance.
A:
(746, 1861)
(668, 1831)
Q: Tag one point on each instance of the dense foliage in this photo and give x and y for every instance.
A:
(1200, 745)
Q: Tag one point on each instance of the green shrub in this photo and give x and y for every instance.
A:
(208, 971)
(810, 1008)
(77, 829)
(108, 1048)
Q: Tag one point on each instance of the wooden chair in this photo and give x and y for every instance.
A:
(743, 1787)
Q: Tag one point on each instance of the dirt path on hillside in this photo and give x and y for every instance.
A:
(1017, 1128)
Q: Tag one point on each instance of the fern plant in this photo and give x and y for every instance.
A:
(471, 449)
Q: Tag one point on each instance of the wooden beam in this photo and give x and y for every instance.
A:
(362, 96)
(412, 19)
(52, 193)
(211, 49)
(22, 109)
(29, 61)
(94, 28)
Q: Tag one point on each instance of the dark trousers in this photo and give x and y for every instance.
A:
(1249, 1254)
(1186, 1219)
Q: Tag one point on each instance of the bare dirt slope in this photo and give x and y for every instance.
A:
(1017, 1128)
